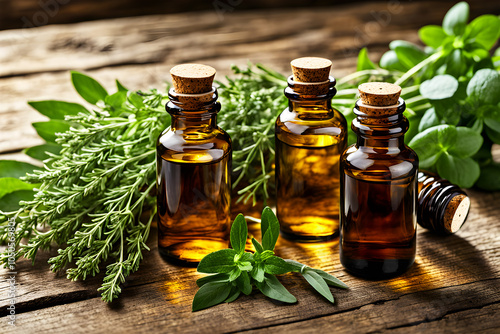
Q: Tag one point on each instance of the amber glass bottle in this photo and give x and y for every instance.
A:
(194, 170)
(442, 206)
(378, 187)
(310, 137)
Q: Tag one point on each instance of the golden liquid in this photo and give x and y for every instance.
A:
(308, 177)
(194, 195)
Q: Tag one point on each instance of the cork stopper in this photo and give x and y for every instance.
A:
(456, 212)
(192, 78)
(379, 94)
(311, 69)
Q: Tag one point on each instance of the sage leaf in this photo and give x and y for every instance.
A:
(318, 283)
(243, 283)
(212, 278)
(330, 279)
(239, 233)
(233, 295)
(277, 266)
(270, 229)
(221, 261)
(211, 294)
(273, 289)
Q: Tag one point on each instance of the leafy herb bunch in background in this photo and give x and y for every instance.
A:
(94, 198)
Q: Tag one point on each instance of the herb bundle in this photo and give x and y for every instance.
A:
(94, 198)
(236, 271)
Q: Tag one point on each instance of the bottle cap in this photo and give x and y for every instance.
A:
(311, 69)
(456, 213)
(379, 94)
(192, 78)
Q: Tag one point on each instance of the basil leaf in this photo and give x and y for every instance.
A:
(440, 87)
(221, 261)
(484, 30)
(272, 288)
(39, 152)
(296, 266)
(490, 177)
(463, 172)
(48, 130)
(11, 184)
(243, 283)
(277, 266)
(330, 279)
(270, 229)
(456, 18)
(484, 87)
(233, 295)
(317, 282)
(212, 278)
(467, 143)
(364, 63)
(211, 294)
(257, 245)
(88, 88)
(239, 233)
(58, 109)
(16, 169)
(432, 35)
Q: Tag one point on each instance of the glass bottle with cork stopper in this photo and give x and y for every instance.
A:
(310, 137)
(379, 187)
(193, 170)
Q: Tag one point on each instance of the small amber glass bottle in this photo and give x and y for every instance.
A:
(194, 170)
(442, 206)
(310, 137)
(378, 187)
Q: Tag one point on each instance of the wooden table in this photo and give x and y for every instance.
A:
(454, 286)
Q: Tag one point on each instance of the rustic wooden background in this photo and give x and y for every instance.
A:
(454, 287)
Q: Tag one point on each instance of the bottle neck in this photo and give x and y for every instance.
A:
(193, 113)
(311, 100)
(380, 130)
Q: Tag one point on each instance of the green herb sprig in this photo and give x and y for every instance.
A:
(236, 271)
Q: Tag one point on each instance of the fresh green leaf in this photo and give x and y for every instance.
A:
(273, 289)
(462, 172)
(120, 87)
(484, 87)
(297, 266)
(211, 294)
(48, 130)
(234, 274)
(492, 118)
(429, 120)
(456, 18)
(245, 266)
(243, 283)
(426, 145)
(390, 61)
(432, 35)
(258, 272)
(221, 261)
(456, 63)
(364, 62)
(440, 87)
(330, 279)
(467, 143)
(116, 100)
(277, 266)
(408, 53)
(212, 278)
(490, 177)
(318, 283)
(11, 184)
(239, 233)
(88, 88)
(58, 109)
(233, 295)
(10, 202)
(135, 100)
(257, 245)
(484, 30)
(39, 152)
(270, 228)
(16, 169)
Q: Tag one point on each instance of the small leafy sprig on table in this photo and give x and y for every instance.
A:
(236, 271)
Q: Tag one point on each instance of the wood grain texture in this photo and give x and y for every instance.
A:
(454, 286)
